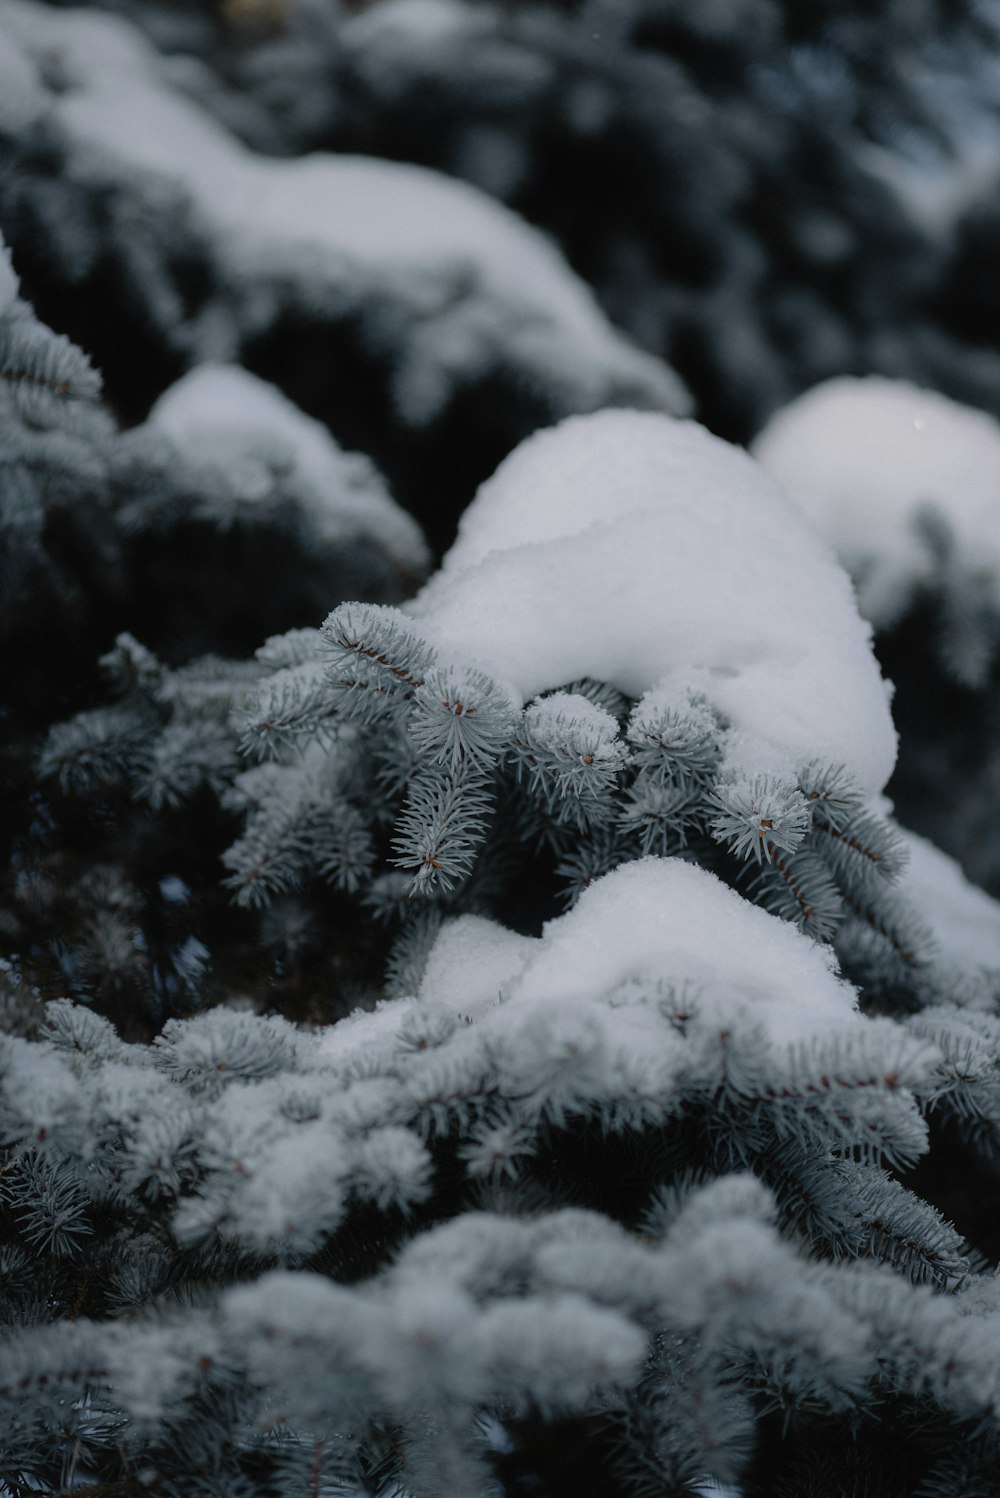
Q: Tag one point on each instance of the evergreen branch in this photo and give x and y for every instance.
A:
(897, 928)
(341, 846)
(459, 714)
(757, 816)
(676, 742)
(865, 841)
(28, 377)
(40, 362)
(260, 871)
(96, 748)
(832, 789)
(799, 889)
(568, 756)
(442, 826)
(660, 812)
(292, 705)
(373, 658)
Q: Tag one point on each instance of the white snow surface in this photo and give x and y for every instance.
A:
(220, 415)
(481, 286)
(472, 964)
(862, 456)
(364, 1032)
(546, 720)
(963, 919)
(641, 550)
(654, 927)
(652, 932)
(663, 918)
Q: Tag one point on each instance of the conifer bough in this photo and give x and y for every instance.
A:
(493, 1041)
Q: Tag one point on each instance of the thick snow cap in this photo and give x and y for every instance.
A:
(654, 921)
(864, 457)
(662, 917)
(640, 550)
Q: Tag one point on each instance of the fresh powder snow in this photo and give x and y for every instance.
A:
(666, 920)
(864, 457)
(653, 935)
(641, 550)
(473, 963)
(476, 286)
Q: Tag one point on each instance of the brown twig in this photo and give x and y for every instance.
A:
(22, 377)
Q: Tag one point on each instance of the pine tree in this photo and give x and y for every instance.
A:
(767, 194)
(473, 1030)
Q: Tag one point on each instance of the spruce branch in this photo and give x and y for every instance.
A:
(42, 362)
(861, 847)
(798, 888)
(676, 742)
(459, 714)
(285, 709)
(100, 747)
(442, 826)
(834, 793)
(373, 658)
(568, 756)
(759, 815)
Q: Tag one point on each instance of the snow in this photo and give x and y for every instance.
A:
(8, 279)
(643, 551)
(963, 919)
(220, 416)
(546, 723)
(863, 457)
(366, 1032)
(663, 918)
(472, 964)
(652, 931)
(478, 285)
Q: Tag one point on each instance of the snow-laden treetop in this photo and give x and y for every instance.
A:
(645, 552)
(454, 277)
(865, 458)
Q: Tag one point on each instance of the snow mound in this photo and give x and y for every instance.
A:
(472, 964)
(655, 922)
(641, 550)
(457, 279)
(228, 423)
(864, 458)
